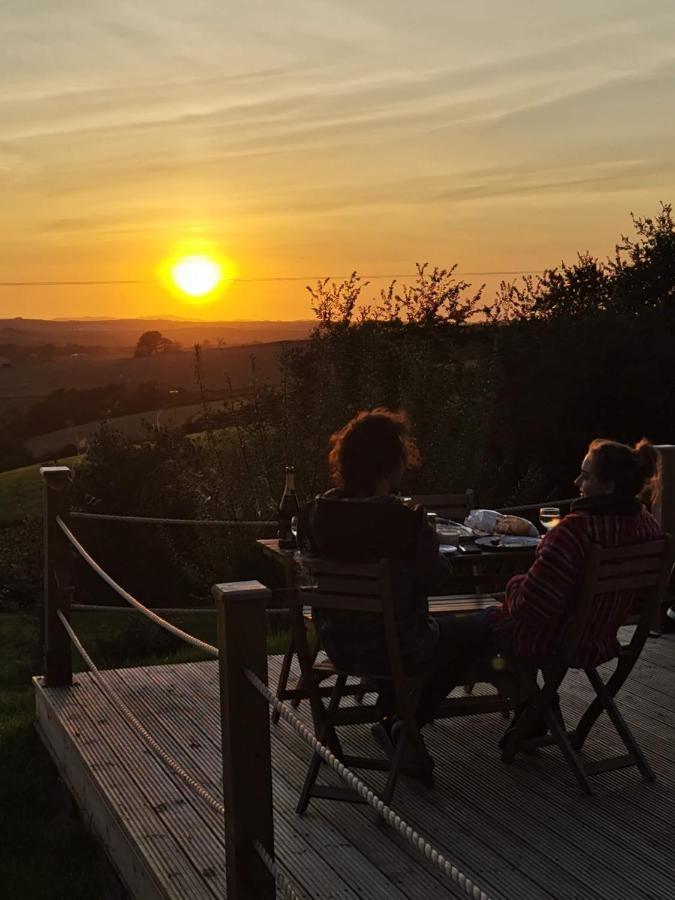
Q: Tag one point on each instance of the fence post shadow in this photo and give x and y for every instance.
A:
(245, 718)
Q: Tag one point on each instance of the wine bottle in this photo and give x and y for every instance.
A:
(288, 509)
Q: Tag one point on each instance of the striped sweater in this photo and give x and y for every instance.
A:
(529, 620)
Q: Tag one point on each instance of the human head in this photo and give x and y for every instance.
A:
(375, 447)
(613, 468)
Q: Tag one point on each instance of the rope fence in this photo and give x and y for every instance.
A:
(209, 649)
(535, 507)
(419, 843)
(177, 610)
(115, 700)
(390, 817)
(265, 523)
(163, 520)
(282, 881)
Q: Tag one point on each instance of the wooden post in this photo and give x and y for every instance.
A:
(56, 502)
(664, 507)
(247, 761)
(664, 510)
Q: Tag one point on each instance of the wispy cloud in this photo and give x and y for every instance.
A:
(129, 120)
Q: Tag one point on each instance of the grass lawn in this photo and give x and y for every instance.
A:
(46, 852)
(21, 491)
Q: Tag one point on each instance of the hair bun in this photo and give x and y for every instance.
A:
(647, 458)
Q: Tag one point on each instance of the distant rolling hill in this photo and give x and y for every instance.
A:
(124, 333)
(174, 369)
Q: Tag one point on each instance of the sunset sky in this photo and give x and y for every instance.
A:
(312, 137)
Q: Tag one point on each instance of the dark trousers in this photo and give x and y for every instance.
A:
(461, 640)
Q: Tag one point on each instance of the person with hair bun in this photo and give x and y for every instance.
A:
(613, 482)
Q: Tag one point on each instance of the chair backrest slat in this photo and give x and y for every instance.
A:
(359, 588)
(624, 554)
(639, 569)
(640, 581)
(347, 586)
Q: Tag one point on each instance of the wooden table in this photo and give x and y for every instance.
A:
(286, 558)
(471, 570)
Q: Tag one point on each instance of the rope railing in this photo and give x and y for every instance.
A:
(115, 700)
(58, 668)
(264, 523)
(532, 507)
(361, 788)
(173, 610)
(281, 880)
(164, 520)
(209, 649)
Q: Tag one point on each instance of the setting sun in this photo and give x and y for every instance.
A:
(197, 275)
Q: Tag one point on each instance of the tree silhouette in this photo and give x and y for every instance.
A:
(152, 343)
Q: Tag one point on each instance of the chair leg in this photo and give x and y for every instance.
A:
(590, 717)
(394, 767)
(314, 652)
(515, 740)
(571, 757)
(358, 697)
(326, 735)
(283, 675)
(607, 701)
(533, 703)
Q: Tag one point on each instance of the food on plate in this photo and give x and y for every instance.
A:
(492, 522)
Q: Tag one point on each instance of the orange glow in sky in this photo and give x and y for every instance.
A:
(297, 143)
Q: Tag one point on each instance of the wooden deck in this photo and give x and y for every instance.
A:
(523, 832)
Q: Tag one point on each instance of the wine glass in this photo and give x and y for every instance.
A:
(549, 516)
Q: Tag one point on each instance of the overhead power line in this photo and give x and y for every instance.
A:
(19, 284)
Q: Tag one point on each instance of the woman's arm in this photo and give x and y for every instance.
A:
(542, 594)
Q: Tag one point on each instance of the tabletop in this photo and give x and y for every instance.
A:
(270, 547)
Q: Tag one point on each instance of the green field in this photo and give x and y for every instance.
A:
(21, 491)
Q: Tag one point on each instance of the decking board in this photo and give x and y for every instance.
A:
(522, 832)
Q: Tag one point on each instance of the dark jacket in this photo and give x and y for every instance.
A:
(367, 530)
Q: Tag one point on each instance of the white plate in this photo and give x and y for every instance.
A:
(447, 548)
(506, 542)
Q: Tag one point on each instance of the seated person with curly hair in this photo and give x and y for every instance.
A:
(362, 520)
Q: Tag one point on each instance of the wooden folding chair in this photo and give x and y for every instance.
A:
(448, 506)
(640, 570)
(358, 589)
(452, 506)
